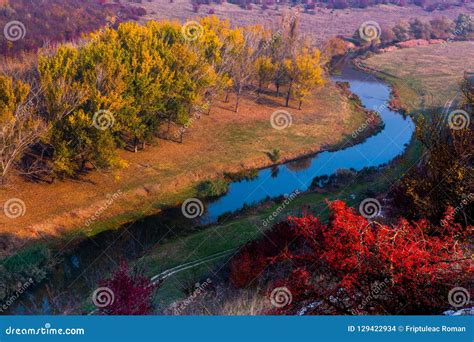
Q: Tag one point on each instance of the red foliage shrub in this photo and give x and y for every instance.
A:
(340, 263)
(132, 292)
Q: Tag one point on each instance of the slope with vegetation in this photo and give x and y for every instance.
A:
(49, 21)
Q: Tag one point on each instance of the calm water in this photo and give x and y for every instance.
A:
(375, 151)
(84, 265)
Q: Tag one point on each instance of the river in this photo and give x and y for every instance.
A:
(78, 274)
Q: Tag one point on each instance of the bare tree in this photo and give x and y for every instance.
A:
(244, 56)
(17, 135)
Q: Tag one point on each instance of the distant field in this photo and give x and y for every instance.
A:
(433, 71)
(319, 26)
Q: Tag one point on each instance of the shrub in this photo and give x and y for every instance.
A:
(340, 263)
(132, 292)
(212, 188)
(274, 155)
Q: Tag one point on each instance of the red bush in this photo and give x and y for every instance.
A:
(131, 293)
(341, 262)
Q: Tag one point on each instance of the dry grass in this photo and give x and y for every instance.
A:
(432, 73)
(319, 26)
(224, 301)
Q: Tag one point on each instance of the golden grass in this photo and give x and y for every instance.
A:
(430, 73)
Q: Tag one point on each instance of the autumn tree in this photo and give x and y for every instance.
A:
(19, 125)
(265, 72)
(401, 32)
(420, 29)
(244, 54)
(443, 177)
(464, 26)
(441, 28)
(305, 74)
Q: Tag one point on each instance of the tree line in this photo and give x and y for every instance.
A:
(120, 88)
(462, 28)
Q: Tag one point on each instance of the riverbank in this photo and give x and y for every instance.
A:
(167, 173)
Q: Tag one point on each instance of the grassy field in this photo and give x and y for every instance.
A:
(430, 75)
(166, 173)
(323, 24)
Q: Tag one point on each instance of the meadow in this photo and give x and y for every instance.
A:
(431, 75)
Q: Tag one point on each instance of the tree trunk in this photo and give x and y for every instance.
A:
(301, 102)
(226, 97)
(135, 145)
(278, 89)
(210, 106)
(237, 102)
(288, 94)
